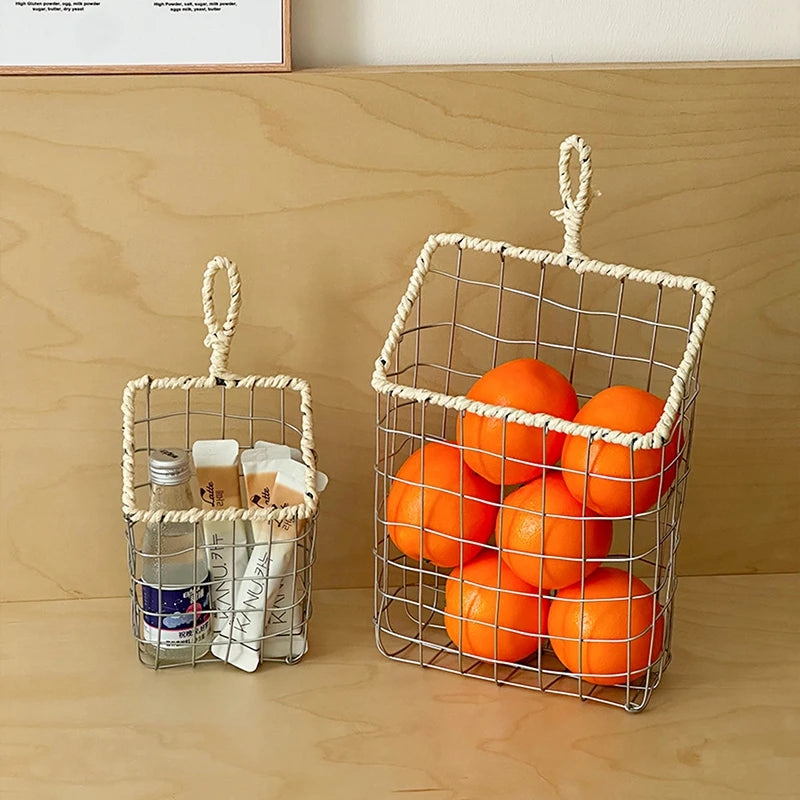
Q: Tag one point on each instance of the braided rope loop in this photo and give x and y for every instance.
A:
(219, 336)
(574, 208)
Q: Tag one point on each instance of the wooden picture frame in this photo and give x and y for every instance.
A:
(25, 25)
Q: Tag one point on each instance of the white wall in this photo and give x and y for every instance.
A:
(376, 32)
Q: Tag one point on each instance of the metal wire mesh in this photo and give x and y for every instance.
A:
(247, 413)
(479, 305)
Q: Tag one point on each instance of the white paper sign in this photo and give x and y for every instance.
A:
(141, 33)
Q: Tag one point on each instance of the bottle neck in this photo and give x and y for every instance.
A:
(171, 498)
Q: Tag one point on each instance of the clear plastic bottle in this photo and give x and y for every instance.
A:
(176, 627)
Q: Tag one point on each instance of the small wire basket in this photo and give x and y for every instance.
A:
(470, 305)
(177, 411)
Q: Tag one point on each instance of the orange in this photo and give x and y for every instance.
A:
(625, 409)
(433, 515)
(605, 616)
(529, 385)
(558, 538)
(470, 611)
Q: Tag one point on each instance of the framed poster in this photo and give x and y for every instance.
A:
(108, 36)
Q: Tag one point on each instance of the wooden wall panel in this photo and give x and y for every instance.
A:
(323, 185)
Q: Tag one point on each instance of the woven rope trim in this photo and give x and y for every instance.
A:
(573, 208)
(571, 258)
(219, 340)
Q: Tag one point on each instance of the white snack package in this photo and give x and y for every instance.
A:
(284, 636)
(279, 450)
(270, 484)
(216, 464)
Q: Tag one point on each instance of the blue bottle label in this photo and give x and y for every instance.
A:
(175, 616)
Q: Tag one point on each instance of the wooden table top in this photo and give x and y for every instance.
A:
(82, 718)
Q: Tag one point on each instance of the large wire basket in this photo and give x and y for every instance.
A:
(177, 411)
(472, 304)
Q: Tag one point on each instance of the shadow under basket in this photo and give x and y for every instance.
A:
(474, 304)
(175, 412)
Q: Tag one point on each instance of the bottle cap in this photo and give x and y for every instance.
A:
(169, 467)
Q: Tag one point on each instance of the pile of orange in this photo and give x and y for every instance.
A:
(551, 533)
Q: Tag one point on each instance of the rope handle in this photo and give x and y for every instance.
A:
(574, 208)
(219, 336)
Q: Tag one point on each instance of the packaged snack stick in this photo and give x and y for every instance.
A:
(270, 484)
(216, 464)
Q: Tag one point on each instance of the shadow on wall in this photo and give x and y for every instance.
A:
(327, 32)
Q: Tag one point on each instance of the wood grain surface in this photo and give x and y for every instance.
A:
(81, 718)
(323, 186)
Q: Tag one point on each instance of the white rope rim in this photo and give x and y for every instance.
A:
(219, 341)
(571, 257)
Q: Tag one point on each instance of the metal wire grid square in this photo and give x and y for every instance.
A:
(248, 414)
(485, 302)
(174, 412)
(409, 600)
